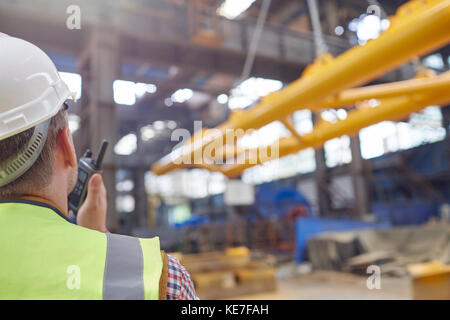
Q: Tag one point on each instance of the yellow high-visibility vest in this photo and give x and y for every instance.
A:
(44, 256)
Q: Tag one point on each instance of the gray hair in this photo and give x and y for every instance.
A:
(40, 174)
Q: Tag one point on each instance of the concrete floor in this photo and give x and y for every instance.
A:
(325, 285)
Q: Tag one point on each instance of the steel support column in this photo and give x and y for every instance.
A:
(322, 179)
(360, 185)
(446, 125)
(102, 70)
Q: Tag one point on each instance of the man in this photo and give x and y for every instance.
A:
(42, 254)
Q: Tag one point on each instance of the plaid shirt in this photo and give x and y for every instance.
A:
(179, 283)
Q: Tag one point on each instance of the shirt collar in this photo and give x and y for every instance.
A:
(37, 201)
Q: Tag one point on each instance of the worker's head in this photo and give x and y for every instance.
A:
(35, 141)
(56, 161)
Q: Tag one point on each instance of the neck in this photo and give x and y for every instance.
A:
(55, 197)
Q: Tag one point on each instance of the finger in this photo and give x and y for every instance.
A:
(95, 185)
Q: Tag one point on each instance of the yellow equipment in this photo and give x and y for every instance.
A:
(430, 281)
(419, 27)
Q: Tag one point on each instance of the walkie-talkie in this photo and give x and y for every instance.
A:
(87, 166)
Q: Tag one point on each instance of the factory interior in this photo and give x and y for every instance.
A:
(280, 149)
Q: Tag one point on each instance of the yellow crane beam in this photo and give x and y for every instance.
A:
(350, 97)
(418, 27)
(390, 109)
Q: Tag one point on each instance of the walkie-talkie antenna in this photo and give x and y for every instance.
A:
(101, 154)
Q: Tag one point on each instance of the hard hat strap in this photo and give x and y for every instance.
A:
(14, 168)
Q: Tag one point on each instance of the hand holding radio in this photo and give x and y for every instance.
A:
(92, 213)
(88, 199)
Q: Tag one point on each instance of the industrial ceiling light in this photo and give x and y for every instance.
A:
(124, 92)
(127, 92)
(159, 125)
(339, 30)
(172, 125)
(368, 27)
(125, 203)
(125, 186)
(143, 88)
(182, 95)
(231, 9)
(168, 102)
(147, 133)
(127, 145)
(222, 99)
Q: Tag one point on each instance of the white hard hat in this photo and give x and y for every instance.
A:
(31, 90)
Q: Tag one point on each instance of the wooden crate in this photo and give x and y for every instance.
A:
(430, 281)
(234, 272)
(234, 284)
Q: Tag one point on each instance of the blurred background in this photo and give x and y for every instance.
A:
(303, 226)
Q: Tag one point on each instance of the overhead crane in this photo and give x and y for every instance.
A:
(418, 28)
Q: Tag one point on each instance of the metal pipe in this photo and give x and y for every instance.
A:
(351, 96)
(390, 109)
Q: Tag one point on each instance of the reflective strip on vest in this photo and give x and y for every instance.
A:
(124, 267)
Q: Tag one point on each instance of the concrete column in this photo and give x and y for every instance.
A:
(446, 125)
(140, 195)
(322, 181)
(332, 15)
(360, 184)
(103, 69)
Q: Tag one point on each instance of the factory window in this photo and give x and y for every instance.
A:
(378, 139)
(73, 81)
(231, 9)
(125, 186)
(217, 183)
(300, 163)
(337, 151)
(251, 90)
(384, 137)
(125, 203)
(303, 121)
(424, 127)
(156, 129)
(194, 184)
(151, 183)
(182, 95)
(434, 61)
(306, 161)
(74, 122)
(263, 136)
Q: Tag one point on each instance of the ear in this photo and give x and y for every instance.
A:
(66, 148)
